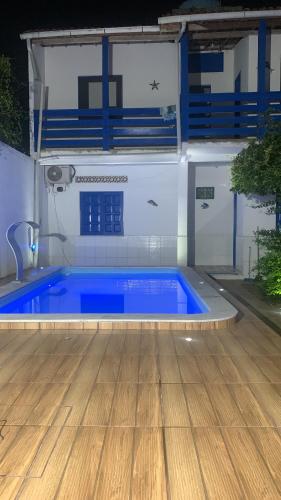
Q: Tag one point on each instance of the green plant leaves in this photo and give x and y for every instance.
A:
(256, 170)
(11, 115)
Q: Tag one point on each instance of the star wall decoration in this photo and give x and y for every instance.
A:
(154, 85)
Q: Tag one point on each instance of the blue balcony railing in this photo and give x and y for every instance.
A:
(216, 116)
(230, 115)
(105, 129)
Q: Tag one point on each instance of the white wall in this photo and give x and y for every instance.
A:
(16, 194)
(139, 64)
(253, 63)
(246, 60)
(39, 59)
(241, 62)
(249, 219)
(275, 63)
(214, 225)
(150, 233)
(63, 65)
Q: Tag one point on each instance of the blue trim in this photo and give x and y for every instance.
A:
(231, 114)
(237, 89)
(118, 132)
(217, 120)
(207, 62)
(93, 143)
(49, 134)
(237, 83)
(261, 73)
(184, 96)
(169, 141)
(57, 113)
(234, 229)
(154, 122)
(145, 132)
(36, 127)
(135, 112)
(224, 132)
(105, 91)
(262, 56)
(225, 97)
(134, 122)
(101, 213)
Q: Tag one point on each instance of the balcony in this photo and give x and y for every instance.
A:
(105, 129)
(207, 116)
(230, 115)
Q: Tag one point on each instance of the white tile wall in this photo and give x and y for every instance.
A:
(118, 251)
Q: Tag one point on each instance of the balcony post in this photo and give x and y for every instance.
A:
(261, 74)
(105, 92)
(184, 86)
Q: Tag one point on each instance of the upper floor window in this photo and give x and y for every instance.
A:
(101, 213)
(90, 91)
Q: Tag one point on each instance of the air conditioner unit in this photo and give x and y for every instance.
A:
(58, 175)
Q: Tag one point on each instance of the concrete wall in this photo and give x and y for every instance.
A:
(275, 63)
(214, 225)
(140, 65)
(155, 235)
(16, 194)
(150, 233)
(39, 58)
(249, 220)
(246, 61)
(241, 62)
(63, 65)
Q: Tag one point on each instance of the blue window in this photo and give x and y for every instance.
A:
(101, 213)
(206, 62)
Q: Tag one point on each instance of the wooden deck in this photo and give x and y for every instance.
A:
(141, 414)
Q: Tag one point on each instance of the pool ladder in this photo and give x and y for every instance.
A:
(11, 239)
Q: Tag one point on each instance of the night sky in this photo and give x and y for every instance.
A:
(31, 15)
(78, 14)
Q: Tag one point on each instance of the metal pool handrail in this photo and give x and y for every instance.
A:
(11, 239)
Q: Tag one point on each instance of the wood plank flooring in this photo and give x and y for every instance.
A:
(141, 415)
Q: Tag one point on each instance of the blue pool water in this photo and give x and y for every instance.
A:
(102, 292)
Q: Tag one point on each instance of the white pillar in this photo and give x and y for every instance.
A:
(182, 211)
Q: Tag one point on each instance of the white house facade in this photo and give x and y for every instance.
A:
(143, 123)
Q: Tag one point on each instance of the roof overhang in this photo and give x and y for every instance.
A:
(220, 30)
(94, 35)
(221, 16)
(208, 31)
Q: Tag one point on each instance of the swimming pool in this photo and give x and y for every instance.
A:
(113, 299)
(108, 291)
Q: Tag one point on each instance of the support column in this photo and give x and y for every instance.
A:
(105, 92)
(262, 56)
(261, 74)
(184, 90)
(234, 242)
(182, 172)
